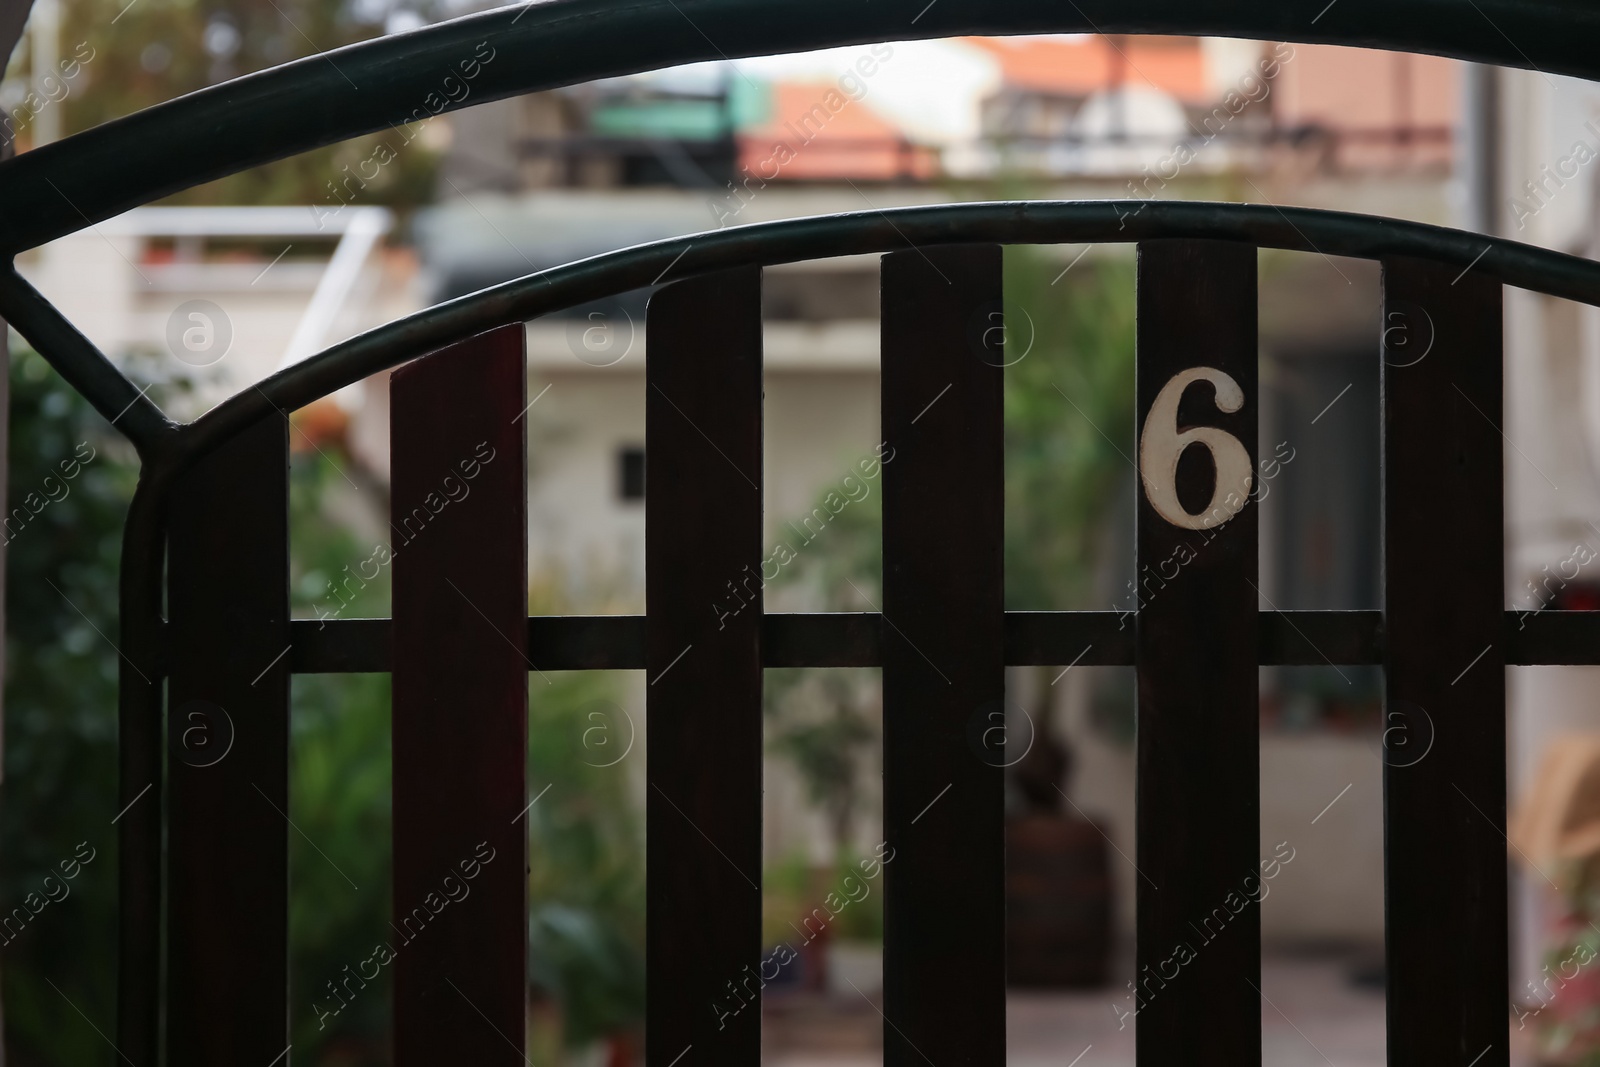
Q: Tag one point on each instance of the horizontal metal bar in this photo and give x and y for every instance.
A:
(1552, 637)
(343, 646)
(59, 188)
(1089, 638)
(1033, 638)
(837, 640)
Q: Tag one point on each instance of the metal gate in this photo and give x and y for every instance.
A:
(203, 862)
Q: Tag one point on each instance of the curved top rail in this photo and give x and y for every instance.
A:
(1019, 222)
(62, 187)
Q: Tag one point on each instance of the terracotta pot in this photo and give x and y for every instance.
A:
(1058, 902)
(622, 1050)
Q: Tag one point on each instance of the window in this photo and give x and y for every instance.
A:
(630, 473)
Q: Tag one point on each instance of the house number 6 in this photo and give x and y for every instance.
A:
(1161, 444)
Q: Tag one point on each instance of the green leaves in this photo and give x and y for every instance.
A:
(60, 711)
(1069, 423)
(585, 855)
(591, 965)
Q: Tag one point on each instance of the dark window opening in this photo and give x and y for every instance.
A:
(630, 473)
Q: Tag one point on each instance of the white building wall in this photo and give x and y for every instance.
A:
(1552, 421)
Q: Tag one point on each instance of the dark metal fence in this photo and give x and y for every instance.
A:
(203, 862)
(460, 645)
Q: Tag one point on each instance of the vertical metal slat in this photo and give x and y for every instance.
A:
(228, 754)
(943, 657)
(1196, 987)
(1444, 737)
(459, 523)
(703, 655)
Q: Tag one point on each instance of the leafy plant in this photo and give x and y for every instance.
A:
(586, 857)
(339, 871)
(60, 716)
(826, 747)
(792, 891)
(1069, 419)
(1069, 429)
(117, 58)
(1069, 423)
(819, 719)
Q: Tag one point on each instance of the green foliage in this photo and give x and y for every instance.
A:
(1069, 423)
(822, 728)
(339, 792)
(586, 926)
(339, 870)
(586, 884)
(60, 717)
(818, 719)
(1069, 427)
(862, 918)
(586, 854)
(792, 890)
(61, 738)
(333, 574)
(132, 56)
(843, 563)
(822, 749)
(1069, 441)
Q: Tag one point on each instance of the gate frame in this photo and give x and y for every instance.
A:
(60, 188)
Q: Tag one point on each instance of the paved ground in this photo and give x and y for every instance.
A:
(1316, 1018)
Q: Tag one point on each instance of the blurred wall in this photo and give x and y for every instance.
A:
(1331, 893)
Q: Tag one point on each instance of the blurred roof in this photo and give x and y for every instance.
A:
(1081, 64)
(814, 131)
